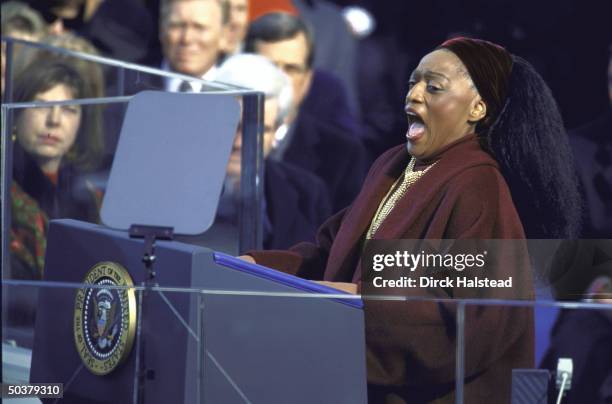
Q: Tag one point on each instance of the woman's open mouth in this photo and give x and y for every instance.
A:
(416, 126)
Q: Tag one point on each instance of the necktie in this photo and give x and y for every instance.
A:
(185, 87)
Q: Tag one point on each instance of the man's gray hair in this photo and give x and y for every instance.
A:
(258, 73)
(164, 4)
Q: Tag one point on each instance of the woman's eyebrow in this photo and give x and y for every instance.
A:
(431, 73)
(428, 74)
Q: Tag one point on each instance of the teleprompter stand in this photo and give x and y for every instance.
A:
(150, 235)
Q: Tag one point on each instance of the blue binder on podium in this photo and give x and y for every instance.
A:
(216, 329)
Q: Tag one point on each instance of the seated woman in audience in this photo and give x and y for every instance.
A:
(106, 119)
(52, 147)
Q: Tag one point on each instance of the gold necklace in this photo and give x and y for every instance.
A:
(394, 194)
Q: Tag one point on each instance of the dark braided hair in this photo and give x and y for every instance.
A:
(524, 131)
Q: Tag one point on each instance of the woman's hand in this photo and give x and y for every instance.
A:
(247, 258)
(344, 286)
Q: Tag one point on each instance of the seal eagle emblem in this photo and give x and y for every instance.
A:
(105, 318)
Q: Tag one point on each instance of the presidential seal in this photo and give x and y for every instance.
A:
(105, 318)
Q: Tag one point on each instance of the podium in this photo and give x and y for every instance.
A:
(127, 320)
(219, 346)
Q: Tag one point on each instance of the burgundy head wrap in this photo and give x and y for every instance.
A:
(489, 66)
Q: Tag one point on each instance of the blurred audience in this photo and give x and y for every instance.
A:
(236, 26)
(261, 7)
(335, 46)
(287, 42)
(21, 22)
(319, 142)
(320, 133)
(295, 201)
(592, 145)
(107, 24)
(582, 270)
(90, 71)
(191, 38)
(65, 15)
(52, 146)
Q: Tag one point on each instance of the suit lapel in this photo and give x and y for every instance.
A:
(304, 150)
(282, 200)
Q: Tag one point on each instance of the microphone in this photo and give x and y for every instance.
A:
(565, 368)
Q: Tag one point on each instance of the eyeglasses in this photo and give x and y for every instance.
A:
(69, 23)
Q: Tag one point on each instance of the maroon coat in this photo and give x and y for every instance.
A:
(411, 346)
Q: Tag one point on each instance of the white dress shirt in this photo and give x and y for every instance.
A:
(173, 84)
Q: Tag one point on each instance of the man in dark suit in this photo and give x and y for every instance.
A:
(191, 38)
(582, 270)
(295, 201)
(296, 204)
(316, 139)
(592, 146)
